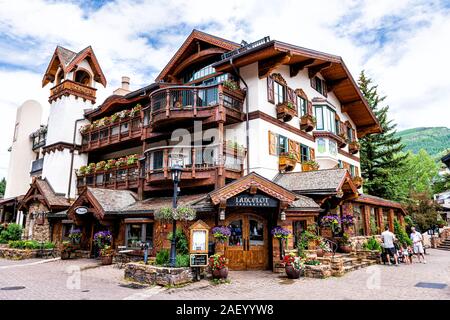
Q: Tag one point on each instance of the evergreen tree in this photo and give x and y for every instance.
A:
(2, 187)
(379, 153)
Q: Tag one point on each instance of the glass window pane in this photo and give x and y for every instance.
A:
(358, 220)
(134, 235)
(149, 234)
(319, 118)
(321, 145)
(236, 233)
(256, 233)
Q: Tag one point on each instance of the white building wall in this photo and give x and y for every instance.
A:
(28, 120)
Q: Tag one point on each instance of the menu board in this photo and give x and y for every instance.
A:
(199, 260)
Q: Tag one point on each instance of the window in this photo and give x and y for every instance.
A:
(282, 144)
(321, 145)
(66, 228)
(358, 219)
(83, 77)
(374, 227)
(157, 160)
(138, 233)
(16, 132)
(304, 153)
(298, 227)
(326, 119)
(319, 86)
(302, 105)
(332, 147)
(349, 133)
(278, 92)
(197, 74)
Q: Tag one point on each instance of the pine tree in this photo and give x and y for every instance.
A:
(379, 153)
(2, 187)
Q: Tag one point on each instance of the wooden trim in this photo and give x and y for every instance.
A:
(348, 155)
(295, 68)
(60, 146)
(264, 116)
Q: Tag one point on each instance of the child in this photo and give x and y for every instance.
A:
(407, 258)
(410, 254)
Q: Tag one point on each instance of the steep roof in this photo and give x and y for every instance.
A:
(305, 203)
(112, 201)
(68, 60)
(152, 204)
(315, 182)
(40, 189)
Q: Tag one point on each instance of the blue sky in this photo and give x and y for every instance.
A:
(401, 44)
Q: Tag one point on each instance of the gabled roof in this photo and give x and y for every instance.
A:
(153, 204)
(68, 60)
(369, 199)
(305, 203)
(328, 181)
(221, 45)
(252, 181)
(41, 190)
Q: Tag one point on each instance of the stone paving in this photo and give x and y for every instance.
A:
(59, 280)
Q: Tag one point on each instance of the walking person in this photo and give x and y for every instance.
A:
(417, 239)
(388, 243)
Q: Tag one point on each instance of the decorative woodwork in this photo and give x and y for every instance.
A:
(333, 84)
(309, 167)
(314, 70)
(266, 66)
(279, 78)
(295, 68)
(307, 122)
(125, 177)
(286, 111)
(59, 146)
(354, 147)
(357, 181)
(69, 87)
(286, 162)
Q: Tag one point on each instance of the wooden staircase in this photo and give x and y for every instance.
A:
(444, 245)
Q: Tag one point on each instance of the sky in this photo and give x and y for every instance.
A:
(402, 45)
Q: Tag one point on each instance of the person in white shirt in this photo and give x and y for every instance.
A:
(388, 244)
(416, 238)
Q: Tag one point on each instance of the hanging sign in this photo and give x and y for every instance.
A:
(81, 210)
(252, 200)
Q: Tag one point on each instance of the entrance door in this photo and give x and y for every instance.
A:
(247, 245)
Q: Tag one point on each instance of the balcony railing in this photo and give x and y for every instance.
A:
(36, 166)
(200, 162)
(125, 177)
(188, 102)
(72, 87)
(119, 131)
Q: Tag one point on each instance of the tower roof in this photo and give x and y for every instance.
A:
(68, 60)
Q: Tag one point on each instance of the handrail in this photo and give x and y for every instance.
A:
(332, 245)
(184, 87)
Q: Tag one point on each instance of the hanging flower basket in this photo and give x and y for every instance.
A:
(331, 221)
(221, 234)
(185, 214)
(347, 220)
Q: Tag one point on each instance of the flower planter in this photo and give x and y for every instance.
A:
(107, 260)
(345, 248)
(286, 163)
(320, 252)
(308, 167)
(342, 141)
(326, 232)
(220, 273)
(285, 112)
(307, 123)
(357, 181)
(292, 273)
(353, 147)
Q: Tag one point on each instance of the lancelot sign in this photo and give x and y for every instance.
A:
(252, 200)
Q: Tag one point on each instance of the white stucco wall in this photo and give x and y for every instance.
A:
(28, 120)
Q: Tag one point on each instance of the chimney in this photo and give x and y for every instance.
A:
(125, 88)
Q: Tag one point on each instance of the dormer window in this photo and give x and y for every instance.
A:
(83, 77)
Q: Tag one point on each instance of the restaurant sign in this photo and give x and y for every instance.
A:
(199, 260)
(252, 200)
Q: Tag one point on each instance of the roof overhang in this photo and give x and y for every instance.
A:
(336, 74)
(380, 202)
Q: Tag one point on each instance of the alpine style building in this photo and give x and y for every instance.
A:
(266, 134)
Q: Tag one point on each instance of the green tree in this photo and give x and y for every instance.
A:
(423, 210)
(380, 158)
(442, 183)
(2, 187)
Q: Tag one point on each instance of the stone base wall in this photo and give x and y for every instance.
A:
(17, 254)
(162, 276)
(357, 242)
(34, 229)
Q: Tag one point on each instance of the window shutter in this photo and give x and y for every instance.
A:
(294, 147)
(324, 88)
(270, 90)
(313, 82)
(312, 154)
(356, 171)
(354, 134)
(272, 143)
(290, 95)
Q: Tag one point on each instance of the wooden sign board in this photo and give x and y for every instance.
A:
(199, 234)
(252, 200)
(199, 260)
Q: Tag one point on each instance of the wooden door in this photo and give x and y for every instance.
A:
(247, 247)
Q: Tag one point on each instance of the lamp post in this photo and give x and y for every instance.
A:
(175, 171)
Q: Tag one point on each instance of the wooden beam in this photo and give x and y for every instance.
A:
(363, 131)
(333, 84)
(299, 66)
(312, 71)
(347, 106)
(266, 66)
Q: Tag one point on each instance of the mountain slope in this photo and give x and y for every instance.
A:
(433, 139)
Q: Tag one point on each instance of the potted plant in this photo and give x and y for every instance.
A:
(287, 161)
(75, 236)
(85, 128)
(310, 165)
(221, 233)
(354, 147)
(106, 254)
(344, 244)
(286, 111)
(114, 118)
(293, 266)
(100, 166)
(90, 168)
(121, 162)
(132, 159)
(331, 221)
(66, 250)
(82, 171)
(184, 213)
(135, 110)
(322, 248)
(282, 235)
(230, 84)
(218, 266)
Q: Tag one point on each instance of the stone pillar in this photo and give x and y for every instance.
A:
(391, 219)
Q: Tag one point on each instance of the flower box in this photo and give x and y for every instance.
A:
(354, 147)
(286, 162)
(307, 122)
(357, 181)
(310, 166)
(286, 111)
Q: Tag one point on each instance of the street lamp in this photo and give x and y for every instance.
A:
(175, 171)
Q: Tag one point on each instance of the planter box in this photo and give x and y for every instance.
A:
(308, 167)
(307, 123)
(284, 112)
(286, 163)
(162, 276)
(19, 254)
(357, 181)
(353, 147)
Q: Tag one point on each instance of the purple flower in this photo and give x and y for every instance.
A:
(329, 220)
(103, 238)
(281, 233)
(347, 219)
(221, 231)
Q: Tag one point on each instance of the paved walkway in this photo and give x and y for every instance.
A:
(85, 279)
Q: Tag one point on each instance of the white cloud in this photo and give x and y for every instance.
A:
(138, 38)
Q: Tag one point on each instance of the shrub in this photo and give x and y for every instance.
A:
(401, 234)
(162, 257)
(372, 244)
(182, 242)
(24, 244)
(182, 260)
(12, 233)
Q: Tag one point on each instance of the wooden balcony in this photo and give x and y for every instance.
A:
(353, 147)
(125, 177)
(182, 104)
(68, 87)
(201, 166)
(124, 130)
(286, 111)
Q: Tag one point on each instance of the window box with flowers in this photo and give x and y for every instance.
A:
(221, 235)
(287, 161)
(286, 111)
(75, 236)
(357, 181)
(307, 122)
(354, 147)
(310, 165)
(235, 149)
